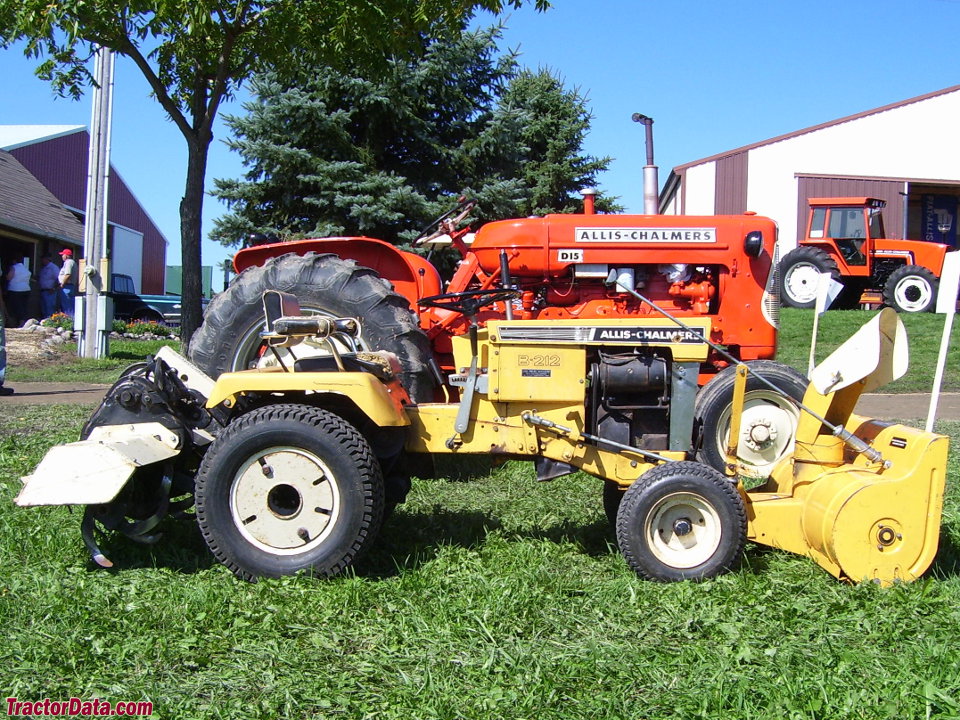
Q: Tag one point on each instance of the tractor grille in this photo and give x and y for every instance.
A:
(771, 292)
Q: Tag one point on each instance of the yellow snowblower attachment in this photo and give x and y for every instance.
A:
(862, 498)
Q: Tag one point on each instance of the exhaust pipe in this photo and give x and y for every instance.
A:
(651, 181)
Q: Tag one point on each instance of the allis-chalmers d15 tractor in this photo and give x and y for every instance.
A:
(624, 346)
(845, 239)
(719, 268)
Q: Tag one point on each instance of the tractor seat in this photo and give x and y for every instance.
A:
(377, 364)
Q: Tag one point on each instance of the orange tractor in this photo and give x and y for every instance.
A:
(845, 238)
(575, 267)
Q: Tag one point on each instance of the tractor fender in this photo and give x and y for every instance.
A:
(383, 403)
(410, 274)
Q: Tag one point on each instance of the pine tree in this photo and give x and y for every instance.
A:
(330, 153)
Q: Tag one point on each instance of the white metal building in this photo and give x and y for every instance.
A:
(907, 153)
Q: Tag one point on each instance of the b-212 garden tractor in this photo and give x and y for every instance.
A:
(293, 467)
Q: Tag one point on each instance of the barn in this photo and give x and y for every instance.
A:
(43, 186)
(906, 153)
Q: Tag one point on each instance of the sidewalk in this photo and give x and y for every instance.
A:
(905, 406)
(50, 393)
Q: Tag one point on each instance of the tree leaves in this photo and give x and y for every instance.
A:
(381, 153)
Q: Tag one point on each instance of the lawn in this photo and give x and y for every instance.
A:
(491, 597)
(497, 597)
(923, 331)
(70, 368)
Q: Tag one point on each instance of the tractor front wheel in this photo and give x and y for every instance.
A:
(681, 521)
(911, 289)
(768, 424)
(289, 488)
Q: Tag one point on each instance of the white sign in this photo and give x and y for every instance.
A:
(638, 234)
(570, 256)
(949, 283)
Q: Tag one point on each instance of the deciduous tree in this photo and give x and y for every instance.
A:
(196, 53)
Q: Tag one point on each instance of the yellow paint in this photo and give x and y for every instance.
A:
(857, 519)
(382, 404)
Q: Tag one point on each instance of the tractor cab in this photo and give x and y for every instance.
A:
(845, 239)
(848, 228)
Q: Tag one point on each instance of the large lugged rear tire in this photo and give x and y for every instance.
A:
(769, 421)
(324, 284)
(681, 521)
(800, 273)
(289, 488)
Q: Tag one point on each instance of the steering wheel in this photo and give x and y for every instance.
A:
(469, 302)
(447, 222)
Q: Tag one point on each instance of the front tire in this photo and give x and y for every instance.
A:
(229, 338)
(289, 488)
(800, 272)
(769, 421)
(681, 521)
(911, 289)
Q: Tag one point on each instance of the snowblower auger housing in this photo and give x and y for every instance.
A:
(293, 468)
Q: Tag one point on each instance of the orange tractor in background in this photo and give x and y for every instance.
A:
(845, 238)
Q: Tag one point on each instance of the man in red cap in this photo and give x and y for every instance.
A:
(67, 279)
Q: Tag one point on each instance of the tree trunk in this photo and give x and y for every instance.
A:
(191, 217)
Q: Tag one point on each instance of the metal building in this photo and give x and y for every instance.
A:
(907, 153)
(46, 170)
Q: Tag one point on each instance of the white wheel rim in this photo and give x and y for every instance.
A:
(768, 428)
(800, 282)
(252, 354)
(683, 530)
(285, 501)
(912, 293)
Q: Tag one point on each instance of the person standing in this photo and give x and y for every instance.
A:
(18, 290)
(48, 278)
(3, 350)
(67, 277)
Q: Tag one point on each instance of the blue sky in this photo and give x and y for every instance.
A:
(713, 75)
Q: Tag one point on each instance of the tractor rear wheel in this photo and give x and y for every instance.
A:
(768, 424)
(911, 289)
(681, 521)
(229, 338)
(289, 488)
(800, 273)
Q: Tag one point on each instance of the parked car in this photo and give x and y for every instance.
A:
(130, 306)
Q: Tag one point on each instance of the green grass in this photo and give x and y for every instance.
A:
(70, 368)
(923, 331)
(499, 597)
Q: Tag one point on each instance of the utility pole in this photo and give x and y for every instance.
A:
(95, 225)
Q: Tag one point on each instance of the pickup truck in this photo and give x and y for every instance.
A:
(130, 306)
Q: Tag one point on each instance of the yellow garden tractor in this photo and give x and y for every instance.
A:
(292, 467)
